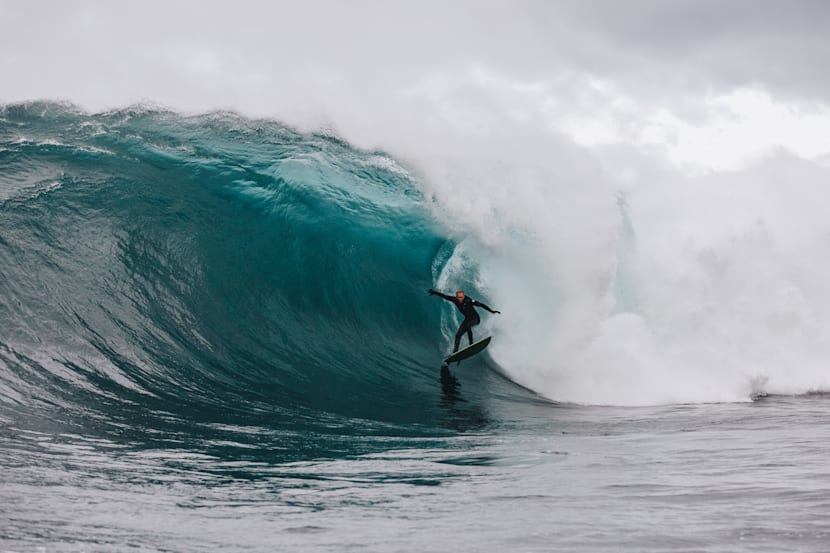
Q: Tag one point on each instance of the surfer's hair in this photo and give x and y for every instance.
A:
(459, 292)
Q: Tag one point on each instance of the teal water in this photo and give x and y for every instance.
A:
(215, 267)
(216, 336)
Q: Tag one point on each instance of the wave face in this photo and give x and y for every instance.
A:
(211, 264)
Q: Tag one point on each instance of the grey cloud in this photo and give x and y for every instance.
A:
(656, 46)
(218, 54)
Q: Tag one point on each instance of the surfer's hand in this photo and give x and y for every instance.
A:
(497, 312)
(431, 292)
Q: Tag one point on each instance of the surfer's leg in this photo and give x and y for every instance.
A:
(463, 329)
(458, 336)
(470, 326)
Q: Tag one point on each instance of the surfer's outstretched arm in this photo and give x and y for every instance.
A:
(479, 304)
(432, 292)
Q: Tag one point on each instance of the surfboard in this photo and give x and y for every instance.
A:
(469, 351)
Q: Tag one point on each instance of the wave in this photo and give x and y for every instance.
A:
(212, 264)
(220, 264)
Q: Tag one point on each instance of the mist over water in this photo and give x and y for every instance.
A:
(629, 284)
(689, 290)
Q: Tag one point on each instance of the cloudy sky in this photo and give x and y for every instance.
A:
(707, 83)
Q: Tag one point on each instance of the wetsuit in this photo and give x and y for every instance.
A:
(467, 307)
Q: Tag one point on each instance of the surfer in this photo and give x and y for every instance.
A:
(467, 307)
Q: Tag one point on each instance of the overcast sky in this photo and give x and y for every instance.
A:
(709, 82)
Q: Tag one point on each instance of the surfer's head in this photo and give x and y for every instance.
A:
(459, 295)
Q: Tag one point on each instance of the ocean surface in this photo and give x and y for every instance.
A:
(215, 336)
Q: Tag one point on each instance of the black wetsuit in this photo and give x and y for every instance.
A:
(467, 307)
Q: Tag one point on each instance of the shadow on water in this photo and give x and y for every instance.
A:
(476, 397)
(460, 414)
(449, 387)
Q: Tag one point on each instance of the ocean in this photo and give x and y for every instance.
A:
(215, 335)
